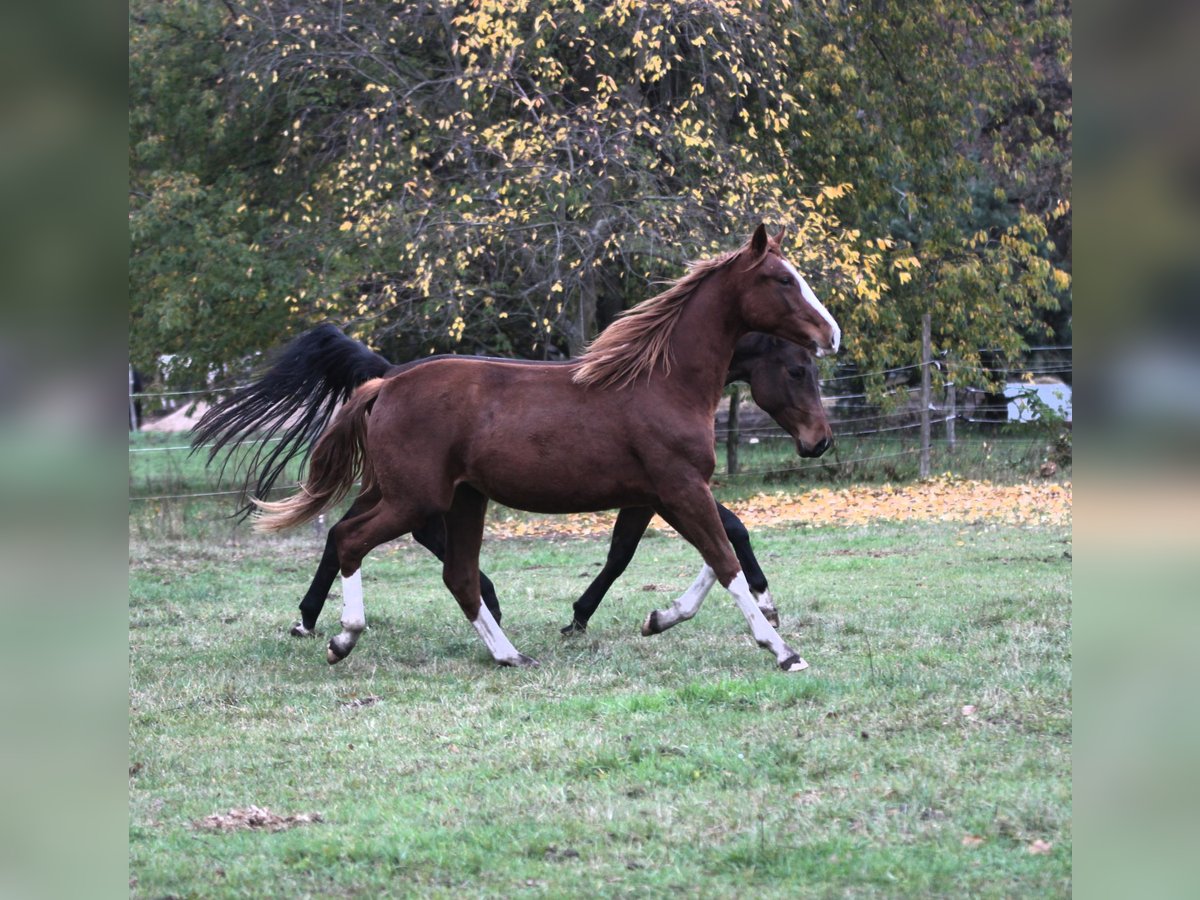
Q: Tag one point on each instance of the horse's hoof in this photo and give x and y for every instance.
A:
(650, 626)
(772, 616)
(793, 664)
(337, 650)
(522, 661)
(298, 630)
(576, 627)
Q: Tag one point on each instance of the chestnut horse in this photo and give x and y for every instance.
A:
(297, 395)
(447, 436)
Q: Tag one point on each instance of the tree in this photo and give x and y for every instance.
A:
(926, 109)
(207, 283)
(508, 177)
(505, 177)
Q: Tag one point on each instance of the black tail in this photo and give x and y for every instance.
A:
(287, 407)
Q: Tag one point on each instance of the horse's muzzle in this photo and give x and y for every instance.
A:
(815, 450)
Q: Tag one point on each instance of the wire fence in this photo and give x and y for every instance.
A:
(870, 442)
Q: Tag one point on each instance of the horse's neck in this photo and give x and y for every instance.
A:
(746, 356)
(704, 339)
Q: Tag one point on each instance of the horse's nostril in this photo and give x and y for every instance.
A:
(821, 447)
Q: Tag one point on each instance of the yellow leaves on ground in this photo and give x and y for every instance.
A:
(937, 500)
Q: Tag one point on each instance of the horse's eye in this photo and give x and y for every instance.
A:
(796, 371)
(785, 278)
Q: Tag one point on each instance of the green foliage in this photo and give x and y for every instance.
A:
(929, 111)
(507, 176)
(204, 278)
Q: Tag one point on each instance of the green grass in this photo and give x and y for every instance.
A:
(1001, 454)
(683, 764)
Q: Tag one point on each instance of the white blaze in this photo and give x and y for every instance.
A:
(817, 305)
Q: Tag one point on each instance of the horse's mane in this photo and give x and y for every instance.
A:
(639, 340)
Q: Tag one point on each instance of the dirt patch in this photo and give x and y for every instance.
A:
(181, 419)
(254, 818)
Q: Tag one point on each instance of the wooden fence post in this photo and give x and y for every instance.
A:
(133, 416)
(951, 412)
(926, 400)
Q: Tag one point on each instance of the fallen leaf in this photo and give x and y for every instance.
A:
(945, 499)
(359, 702)
(1039, 847)
(972, 840)
(968, 710)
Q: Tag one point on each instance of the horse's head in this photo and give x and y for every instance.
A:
(774, 298)
(785, 384)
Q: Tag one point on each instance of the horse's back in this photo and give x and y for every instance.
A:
(524, 434)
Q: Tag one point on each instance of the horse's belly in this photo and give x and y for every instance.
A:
(561, 483)
(550, 498)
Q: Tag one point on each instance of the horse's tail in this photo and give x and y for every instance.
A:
(286, 408)
(337, 460)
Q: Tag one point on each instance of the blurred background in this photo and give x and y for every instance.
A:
(62, 351)
(1137, 734)
(64, 364)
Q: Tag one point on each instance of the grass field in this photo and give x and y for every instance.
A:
(926, 752)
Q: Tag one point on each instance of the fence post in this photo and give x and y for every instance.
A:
(731, 435)
(926, 361)
(951, 413)
(133, 419)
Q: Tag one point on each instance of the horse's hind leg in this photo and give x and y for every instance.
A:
(318, 591)
(355, 536)
(432, 536)
(627, 533)
(327, 570)
(460, 571)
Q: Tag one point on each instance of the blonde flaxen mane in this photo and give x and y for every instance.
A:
(639, 340)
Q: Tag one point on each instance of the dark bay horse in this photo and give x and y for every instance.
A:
(445, 437)
(299, 391)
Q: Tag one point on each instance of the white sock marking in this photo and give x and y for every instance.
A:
(760, 628)
(764, 600)
(818, 306)
(354, 617)
(688, 603)
(494, 637)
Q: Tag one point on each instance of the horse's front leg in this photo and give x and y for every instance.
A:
(691, 510)
(739, 536)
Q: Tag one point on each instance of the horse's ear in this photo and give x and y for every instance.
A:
(777, 241)
(758, 243)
